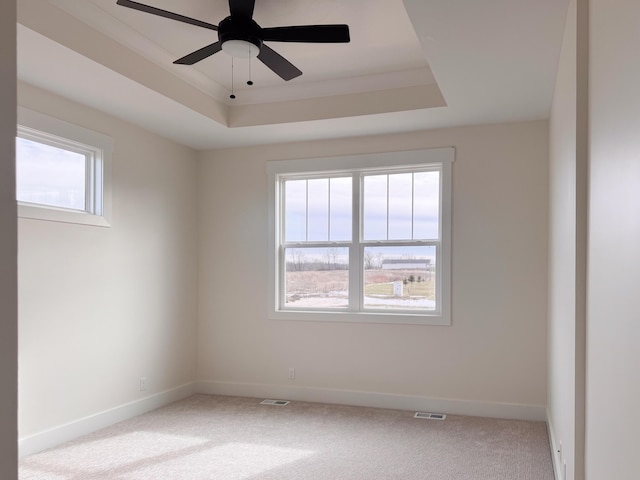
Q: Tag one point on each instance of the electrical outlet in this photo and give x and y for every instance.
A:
(292, 373)
(143, 384)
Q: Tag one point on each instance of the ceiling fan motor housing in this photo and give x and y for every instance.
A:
(240, 29)
(240, 36)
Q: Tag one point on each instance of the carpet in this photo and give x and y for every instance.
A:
(232, 438)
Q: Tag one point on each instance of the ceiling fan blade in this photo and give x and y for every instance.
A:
(164, 13)
(241, 8)
(308, 33)
(276, 62)
(201, 54)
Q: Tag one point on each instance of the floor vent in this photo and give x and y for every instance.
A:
(279, 403)
(430, 416)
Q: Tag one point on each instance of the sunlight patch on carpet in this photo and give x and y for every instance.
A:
(125, 451)
(232, 461)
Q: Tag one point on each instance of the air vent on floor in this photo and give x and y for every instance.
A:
(430, 416)
(279, 403)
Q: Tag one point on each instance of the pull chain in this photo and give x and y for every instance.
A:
(249, 82)
(232, 96)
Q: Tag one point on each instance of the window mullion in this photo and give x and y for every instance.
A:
(306, 212)
(413, 203)
(355, 253)
(387, 207)
(328, 209)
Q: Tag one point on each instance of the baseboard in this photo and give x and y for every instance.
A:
(375, 399)
(558, 468)
(69, 431)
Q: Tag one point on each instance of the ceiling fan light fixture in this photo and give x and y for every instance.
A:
(240, 36)
(240, 49)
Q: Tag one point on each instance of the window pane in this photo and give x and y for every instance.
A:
(375, 207)
(318, 209)
(295, 210)
(400, 206)
(340, 209)
(400, 278)
(49, 175)
(318, 199)
(426, 214)
(316, 277)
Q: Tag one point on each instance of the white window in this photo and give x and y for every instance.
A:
(62, 171)
(361, 238)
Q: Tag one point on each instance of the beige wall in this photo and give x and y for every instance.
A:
(613, 381)
(567, 236)
(495, 352)
(101, 307)
(594, 390)
(8, 283)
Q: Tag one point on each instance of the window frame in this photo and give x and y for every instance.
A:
(97, 149)
(357, 166)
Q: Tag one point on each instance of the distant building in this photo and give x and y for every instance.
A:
(406, 264)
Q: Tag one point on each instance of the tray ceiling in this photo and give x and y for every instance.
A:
(411, 65)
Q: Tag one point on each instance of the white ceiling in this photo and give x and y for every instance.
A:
(411, 65)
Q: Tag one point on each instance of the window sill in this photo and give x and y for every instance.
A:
(361, 317)
(52, 214)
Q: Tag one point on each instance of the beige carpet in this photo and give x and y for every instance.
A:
(231, 438)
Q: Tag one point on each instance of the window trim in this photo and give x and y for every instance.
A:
(443, 157)
(38, 127)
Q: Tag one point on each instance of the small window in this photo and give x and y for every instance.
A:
(61, 171)
(362, 238)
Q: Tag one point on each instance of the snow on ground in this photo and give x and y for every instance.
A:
(375, 302)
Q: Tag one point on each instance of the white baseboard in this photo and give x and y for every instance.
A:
(375, 399)
(69, 431)
(558, 468)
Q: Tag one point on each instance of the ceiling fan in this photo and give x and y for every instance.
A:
(240, 36)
